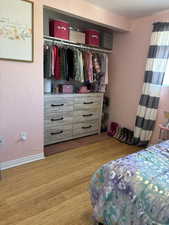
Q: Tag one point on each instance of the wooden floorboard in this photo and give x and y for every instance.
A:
(76, 143)
(54, 191)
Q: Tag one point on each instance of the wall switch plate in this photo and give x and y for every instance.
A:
(2, 140)
(23, 136)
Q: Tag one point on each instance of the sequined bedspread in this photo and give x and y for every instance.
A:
(133, 190)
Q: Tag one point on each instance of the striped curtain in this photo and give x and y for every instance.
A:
(155, 70)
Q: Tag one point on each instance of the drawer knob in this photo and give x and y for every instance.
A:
(87, 115)
(87, 127)
(53, 120)
(53, 105)
(88, 103)
(56, 133)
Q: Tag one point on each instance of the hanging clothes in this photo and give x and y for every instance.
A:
(73, 64)
(53, 60)
(104, 72)
(81, 67)
(107, 69)
(64, 65)
(84, 57)
(70, 62)
(99, 73)
(57, 71)
(47, 61)
(78, 66)
(88, 66)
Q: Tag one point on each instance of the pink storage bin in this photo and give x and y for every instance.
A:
(66, 88)
(92, 38)
(59, 29)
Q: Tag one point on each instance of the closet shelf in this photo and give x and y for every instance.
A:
(73, 44)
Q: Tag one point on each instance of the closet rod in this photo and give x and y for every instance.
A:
(68, 43)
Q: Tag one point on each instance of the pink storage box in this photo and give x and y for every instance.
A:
(92, 38)
(66, 88)
(59, 29)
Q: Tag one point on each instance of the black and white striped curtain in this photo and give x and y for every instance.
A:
(155, 70)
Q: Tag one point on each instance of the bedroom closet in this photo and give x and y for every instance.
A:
(75, 76)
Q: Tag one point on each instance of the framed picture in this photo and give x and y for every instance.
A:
(16, 30)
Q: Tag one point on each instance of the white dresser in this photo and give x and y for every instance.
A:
(69, 116)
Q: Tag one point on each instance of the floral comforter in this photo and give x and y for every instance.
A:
(133, 190)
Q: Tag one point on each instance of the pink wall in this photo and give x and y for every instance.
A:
(91, 12)
(21, 91)
(127, 72)
(22, 101)
(21, 84)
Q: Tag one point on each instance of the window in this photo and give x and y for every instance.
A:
(166, 77)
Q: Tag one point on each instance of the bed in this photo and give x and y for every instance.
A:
(133, 190)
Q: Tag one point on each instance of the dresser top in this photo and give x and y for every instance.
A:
(74, 95)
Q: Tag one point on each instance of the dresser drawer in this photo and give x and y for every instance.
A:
(87, 115)
(54, 106)
(57, 119)
(57, 134)
(71, 116)
(88, 106)
(85, 128)
(88, 99)
(58, 99)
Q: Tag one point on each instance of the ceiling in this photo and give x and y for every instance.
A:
(133, 8)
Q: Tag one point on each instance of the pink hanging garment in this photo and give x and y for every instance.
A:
(57, 71)
(107, 69)
(90, 67)
(53, 60)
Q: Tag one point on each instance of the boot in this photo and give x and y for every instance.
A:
(121, 135)
(125, 136)
(118, 133)
(113, 128)
(130, 140)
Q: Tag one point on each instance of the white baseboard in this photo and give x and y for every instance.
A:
(21, 161)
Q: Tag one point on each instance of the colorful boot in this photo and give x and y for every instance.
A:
(130, 140)
(126, 135)
(118, 133)
(113, 128)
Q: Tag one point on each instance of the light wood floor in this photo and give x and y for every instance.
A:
(54, 191)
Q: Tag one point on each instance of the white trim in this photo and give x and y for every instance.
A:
(21, 161)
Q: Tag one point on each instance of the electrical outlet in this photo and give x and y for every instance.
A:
(23, 136)
(2, 140)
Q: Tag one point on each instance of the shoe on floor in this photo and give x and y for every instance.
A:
(113, 129)
(130, 140)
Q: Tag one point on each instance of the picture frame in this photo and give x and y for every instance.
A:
(17, 30)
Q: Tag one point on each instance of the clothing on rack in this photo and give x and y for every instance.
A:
(99, 68)
(88, 66)
(73, 64)
(78, 66)
(104, 70)
(107, 69)
(56, 63)
(53, 59)
(64, 64)
(84, 57)
(47, 61)
(70, 62)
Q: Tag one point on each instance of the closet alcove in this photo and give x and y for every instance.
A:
(72, 115)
